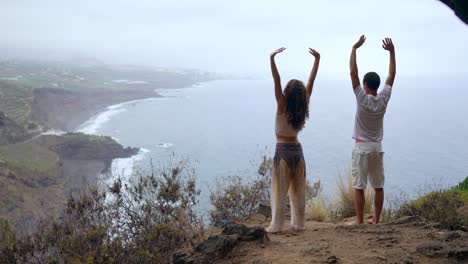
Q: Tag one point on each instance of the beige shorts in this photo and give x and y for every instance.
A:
(368, 165)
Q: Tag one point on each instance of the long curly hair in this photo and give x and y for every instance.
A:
(297, 105)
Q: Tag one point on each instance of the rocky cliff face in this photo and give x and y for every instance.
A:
(10, 132)
(65, 110)
(29, 194)
(37, 177)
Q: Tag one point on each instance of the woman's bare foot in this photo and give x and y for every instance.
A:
(299, 228)
(273, 231)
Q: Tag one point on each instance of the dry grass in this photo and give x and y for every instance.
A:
(344, 206)
(317, 210)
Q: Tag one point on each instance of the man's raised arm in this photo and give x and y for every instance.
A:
(353, 65)
(387, 44)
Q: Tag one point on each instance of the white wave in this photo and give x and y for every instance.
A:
(129, 81)
(93, 124)
(112, 107)
(55, 132)
(165, 145)
(125, 167)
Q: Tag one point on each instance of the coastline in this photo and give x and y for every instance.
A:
(122, 167)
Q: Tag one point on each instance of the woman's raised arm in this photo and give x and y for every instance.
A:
(276, 77)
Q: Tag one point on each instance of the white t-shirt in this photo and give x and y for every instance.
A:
(370, 111)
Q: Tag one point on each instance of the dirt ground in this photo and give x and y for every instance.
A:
(412, 241)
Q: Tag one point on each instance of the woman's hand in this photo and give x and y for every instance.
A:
(273, 54)
(359, 43)
(314, 53)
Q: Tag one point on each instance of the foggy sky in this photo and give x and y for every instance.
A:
(237, 36)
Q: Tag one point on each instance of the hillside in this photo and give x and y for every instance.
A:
(62, 95)
(10, 131)
(38, 173)
(37, 177)
(15, 101)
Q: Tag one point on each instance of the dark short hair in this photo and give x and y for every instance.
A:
(372, 80)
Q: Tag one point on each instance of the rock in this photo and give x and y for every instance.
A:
(449, 236)
(215, 247)
(407, 220)
(246, 233)
(431, 249)
(258, 261)
(331, 260)
(458, 253)
(264, 208)
(219, 246)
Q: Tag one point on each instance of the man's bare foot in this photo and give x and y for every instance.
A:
(353, 223)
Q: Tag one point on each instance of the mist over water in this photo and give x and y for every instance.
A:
(227, 125)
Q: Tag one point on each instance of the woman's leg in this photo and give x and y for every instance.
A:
(280, 179)
(297, 196)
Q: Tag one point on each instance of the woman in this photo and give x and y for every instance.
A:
(289, 172)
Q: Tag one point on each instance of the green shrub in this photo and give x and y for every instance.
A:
(440, 206)
(462, 188)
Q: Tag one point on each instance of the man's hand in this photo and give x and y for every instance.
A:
(313, 73)
(387, 44)
(314, 53)
(273, 54)
(359, 43)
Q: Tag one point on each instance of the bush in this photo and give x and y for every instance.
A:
(235, 199)
(144, 221)
(439, 206)
(462, 188)
(7, 242)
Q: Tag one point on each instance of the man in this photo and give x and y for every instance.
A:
(367, 164)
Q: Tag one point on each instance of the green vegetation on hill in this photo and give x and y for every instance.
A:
(462, 189)
(30, 156)
(15, 101)
(92, 138)
(86, 76)
(448, 207)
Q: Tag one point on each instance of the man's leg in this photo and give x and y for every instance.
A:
(377, 181)
(359, 172)
(359, 201)
(378, 204)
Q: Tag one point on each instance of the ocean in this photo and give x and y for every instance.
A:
(224, 127)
